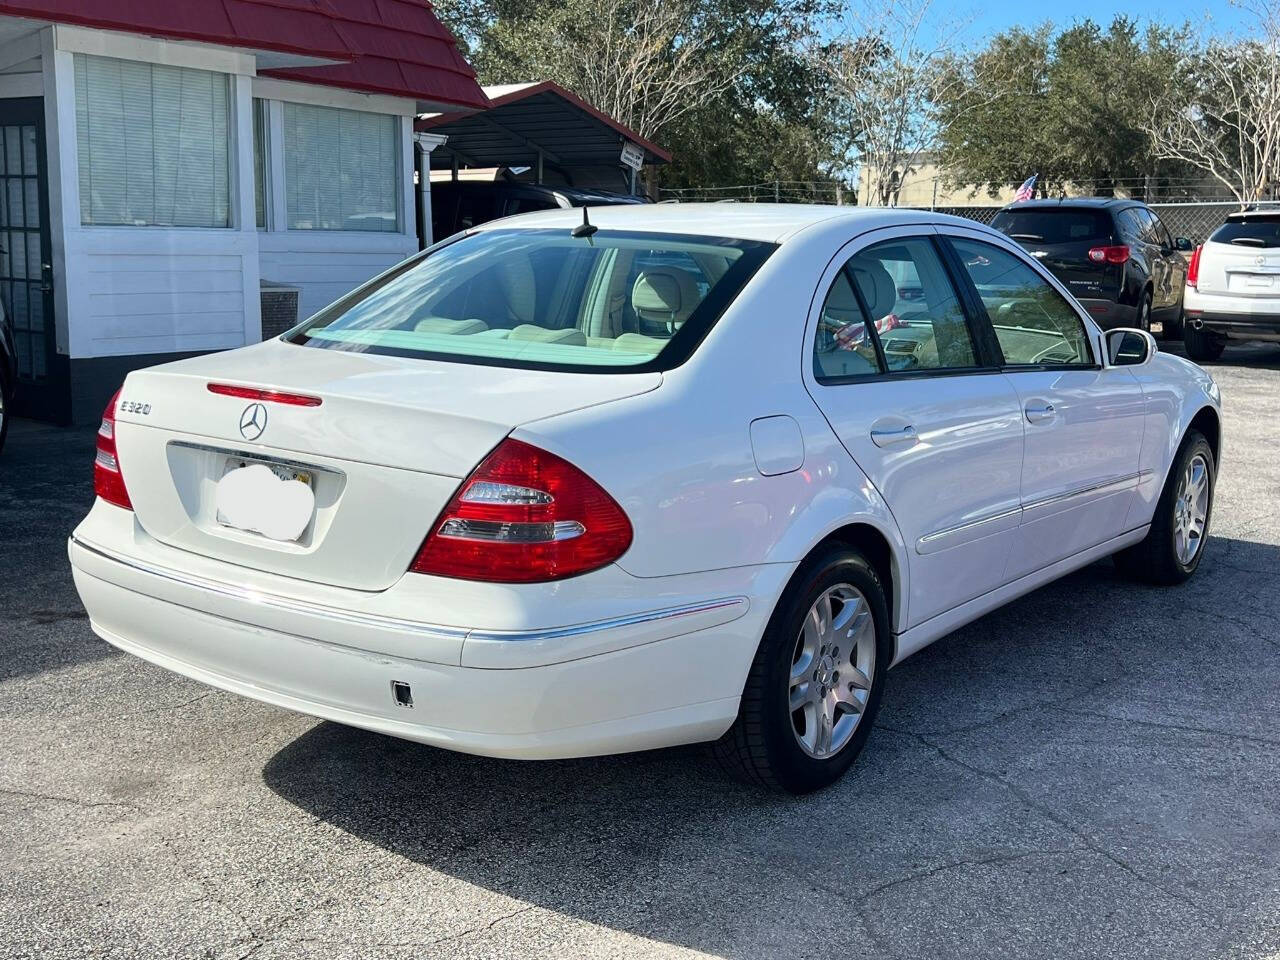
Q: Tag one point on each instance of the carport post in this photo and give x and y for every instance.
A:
(425, 143)
(538, 179)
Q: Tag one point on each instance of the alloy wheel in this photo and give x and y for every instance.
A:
(832, 670)
(1191, 509)
(1144, 315)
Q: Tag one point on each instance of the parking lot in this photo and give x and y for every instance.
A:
(1089, 772)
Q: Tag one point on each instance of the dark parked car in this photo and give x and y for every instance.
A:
(1115, 256)
(459, 205)
(8, 374)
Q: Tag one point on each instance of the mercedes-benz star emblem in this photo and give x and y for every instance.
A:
(1259, 261)
(253, 421)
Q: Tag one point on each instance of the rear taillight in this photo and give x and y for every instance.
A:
(1118, 254)
(1193, 268)
(108, 482)
(525, 516)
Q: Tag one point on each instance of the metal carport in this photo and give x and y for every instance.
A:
(545, 127)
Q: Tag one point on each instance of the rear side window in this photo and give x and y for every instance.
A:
(1034, 324)
(1057, 225)
(897, 293)
(544, 299)
(1263, 232)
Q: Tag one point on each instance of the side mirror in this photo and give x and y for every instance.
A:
(1182, 244)
(1129, 347)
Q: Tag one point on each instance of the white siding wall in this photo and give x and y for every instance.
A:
(327, 265)
(136, 290)
(134, 293)
(147, 290)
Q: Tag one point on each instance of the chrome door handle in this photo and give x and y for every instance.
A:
(1039, 413)
(887, 438)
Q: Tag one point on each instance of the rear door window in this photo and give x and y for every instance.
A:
(904, 300)
(1054, 225)
(1263, 232)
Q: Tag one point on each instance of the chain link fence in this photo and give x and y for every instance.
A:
(1194, 220)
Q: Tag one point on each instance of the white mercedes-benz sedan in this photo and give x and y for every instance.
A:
(686, 473)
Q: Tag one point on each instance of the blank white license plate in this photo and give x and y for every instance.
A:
(276, 500)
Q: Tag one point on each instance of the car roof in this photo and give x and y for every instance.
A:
(1260, 213)
(768, 222)
(1076, 203)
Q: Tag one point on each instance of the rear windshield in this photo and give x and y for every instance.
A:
(544, 299)
(1064, 225)
(1249, 233)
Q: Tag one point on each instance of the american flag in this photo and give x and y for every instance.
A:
(1027, 190)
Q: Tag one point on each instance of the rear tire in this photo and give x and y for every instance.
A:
(775, 743)
(1162, 557)
(1202, 345)
(1143, 321)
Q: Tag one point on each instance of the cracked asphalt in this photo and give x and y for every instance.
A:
(1089, 772)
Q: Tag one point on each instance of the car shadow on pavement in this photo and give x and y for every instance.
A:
(1058, 758)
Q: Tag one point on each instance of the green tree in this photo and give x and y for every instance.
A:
(1071, 106)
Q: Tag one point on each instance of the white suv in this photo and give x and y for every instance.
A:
(1233, 285)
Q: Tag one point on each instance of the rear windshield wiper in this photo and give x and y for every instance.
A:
(1249, 241)
(1027, 236)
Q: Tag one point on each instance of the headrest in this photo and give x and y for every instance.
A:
(639, 343)
(665, 295)
(875, 285)
(527, 331)
(445, 325)
(519, 289)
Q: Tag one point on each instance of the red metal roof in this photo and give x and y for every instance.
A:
(402, 50)
(395, 47)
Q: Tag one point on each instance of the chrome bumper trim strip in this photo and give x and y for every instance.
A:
(247, 595)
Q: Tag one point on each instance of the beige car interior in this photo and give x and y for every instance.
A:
(625, 305)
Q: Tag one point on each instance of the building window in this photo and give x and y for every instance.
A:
(154, 144)
(342, 169)
(260, 166)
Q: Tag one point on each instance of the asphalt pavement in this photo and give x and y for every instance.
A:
(1092, 771)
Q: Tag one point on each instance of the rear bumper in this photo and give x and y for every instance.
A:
(1238, 325)
(1240, 317)
(669, 675)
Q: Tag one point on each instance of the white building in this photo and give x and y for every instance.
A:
(160, 159)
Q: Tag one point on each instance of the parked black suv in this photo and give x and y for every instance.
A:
(1115, 256)
(462, 204)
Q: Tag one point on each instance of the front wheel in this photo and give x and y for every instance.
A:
(1172, 549)
(1173, 327)
(1202, 345)
(814, 687)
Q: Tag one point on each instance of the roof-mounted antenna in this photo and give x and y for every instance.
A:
(586, 228)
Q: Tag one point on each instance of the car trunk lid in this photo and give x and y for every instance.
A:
(386, 446)
(1239, 269)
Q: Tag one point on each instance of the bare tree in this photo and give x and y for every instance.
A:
(1222, 115)
(644, 62)
(886, 75)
